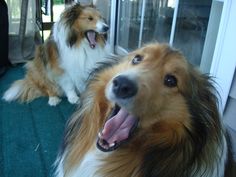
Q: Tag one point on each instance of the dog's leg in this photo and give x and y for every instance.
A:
(54, 100)
(69, 89)
(72, 96)
(70, 93)
(53, 94)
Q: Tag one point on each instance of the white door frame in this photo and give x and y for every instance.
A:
(224, 58)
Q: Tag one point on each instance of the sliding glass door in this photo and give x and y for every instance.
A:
(202, 29)
(189, 25)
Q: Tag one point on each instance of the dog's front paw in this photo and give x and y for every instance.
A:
(73, 99)
(53, 101)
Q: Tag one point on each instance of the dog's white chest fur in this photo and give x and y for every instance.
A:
(89, 165)
(79, 61)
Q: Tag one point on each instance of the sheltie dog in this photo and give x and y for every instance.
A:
(63, 63)
(149, 114)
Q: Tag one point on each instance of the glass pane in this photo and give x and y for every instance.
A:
(158, 20)
(104, 8)
(191, 28)
(195, 33)
(129, 23)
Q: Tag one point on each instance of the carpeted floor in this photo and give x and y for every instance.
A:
(30, 134)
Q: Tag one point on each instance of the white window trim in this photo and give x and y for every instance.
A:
(224, 58)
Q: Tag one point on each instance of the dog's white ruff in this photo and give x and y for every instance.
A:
(88, 166)
(76, 61)
(93, 160)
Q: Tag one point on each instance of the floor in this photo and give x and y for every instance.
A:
(30, 134)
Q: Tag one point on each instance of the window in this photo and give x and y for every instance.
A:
(188, 25)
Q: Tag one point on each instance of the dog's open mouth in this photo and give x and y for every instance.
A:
(117, 129)
(91, 37)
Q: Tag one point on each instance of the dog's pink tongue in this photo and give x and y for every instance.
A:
(92, 38)
(118, 127)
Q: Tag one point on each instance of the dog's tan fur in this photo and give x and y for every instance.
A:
(179, 133)
(36, 82)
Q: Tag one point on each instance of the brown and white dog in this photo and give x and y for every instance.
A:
(63, 63)
(149, 114)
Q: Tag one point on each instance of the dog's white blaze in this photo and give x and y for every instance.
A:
(99, 25)
(12, 93)
(108, 91)
(77, 62)
(131, 74)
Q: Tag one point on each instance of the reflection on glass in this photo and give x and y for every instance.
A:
(191, 28)
(104, 7)
(158, 20)
(129, 24)
(145, 21)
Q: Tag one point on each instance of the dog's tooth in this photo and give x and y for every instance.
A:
(111, 145)
(100, 135)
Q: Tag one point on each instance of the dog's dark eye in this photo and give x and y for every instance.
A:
(90, 18)
(137, 59)
(170, 80)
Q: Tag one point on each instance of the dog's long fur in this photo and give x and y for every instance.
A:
(180, 133)
(62, 64)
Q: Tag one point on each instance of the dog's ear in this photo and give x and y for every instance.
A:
(203, 99)
(85, 124)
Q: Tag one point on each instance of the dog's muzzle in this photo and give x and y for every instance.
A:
(91, 35)
(123, 87)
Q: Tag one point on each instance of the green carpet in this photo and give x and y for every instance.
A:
(30, 134)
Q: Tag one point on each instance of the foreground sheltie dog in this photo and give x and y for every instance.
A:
(63, 63)
(149, 114)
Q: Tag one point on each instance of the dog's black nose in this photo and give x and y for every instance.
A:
(124, 87)
(105, 28)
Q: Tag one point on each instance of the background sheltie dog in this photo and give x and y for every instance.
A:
(150, 114)
(62, 64)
